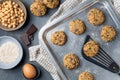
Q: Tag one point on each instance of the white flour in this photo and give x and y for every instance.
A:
(9, 52)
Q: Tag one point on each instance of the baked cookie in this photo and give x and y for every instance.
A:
(96, 16)
(38, 9)
(77, 26)
(58, 38)
(108, 33)
(51, 3)
(91, 48)
(71, 61)
(85, 76)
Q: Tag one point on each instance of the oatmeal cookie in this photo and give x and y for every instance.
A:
(38, 9)
(51, 3)
(86, 76)
(96, 16)
(108, 33)
(71, 61)
(91, 48)
(58, 38)
(77, 26)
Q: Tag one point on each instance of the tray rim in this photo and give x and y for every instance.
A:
(63, 17)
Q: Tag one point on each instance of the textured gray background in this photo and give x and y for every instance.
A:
(16, 73)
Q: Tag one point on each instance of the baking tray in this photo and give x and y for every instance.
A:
(75, 42)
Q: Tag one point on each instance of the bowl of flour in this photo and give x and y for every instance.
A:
(11, 52)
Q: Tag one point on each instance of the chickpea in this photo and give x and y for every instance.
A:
(9, 21)
(15, 11)
(9, 26)
(5, 12)
(5, 25)
(14, 26)
(11, 12)
(6, 6)
(10, 6)
(8, 10)
(21, 18)
(21, 11)
(17, 5)
(8, 15)
(11, 9)
(4, 3)
(19, 21)
(16, 15)
(12, 17)
(22, 14)
(2, 14)
(18, 12)
(14, 23)
(4, 19)
(13, 3)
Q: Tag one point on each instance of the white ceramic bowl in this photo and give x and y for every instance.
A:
(4, 39)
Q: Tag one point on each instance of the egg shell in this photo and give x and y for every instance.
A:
(29, 71)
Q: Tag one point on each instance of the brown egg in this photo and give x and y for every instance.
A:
(29, 71)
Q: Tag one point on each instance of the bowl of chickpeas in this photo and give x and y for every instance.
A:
(12, 15)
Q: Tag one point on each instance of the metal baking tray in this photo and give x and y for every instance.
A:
(75, 42)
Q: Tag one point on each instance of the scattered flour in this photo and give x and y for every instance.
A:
(9, 52)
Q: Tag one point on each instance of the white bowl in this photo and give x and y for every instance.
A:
(4, 39)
